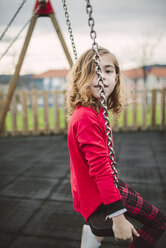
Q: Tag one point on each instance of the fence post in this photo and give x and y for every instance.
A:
(124, 127)
(65, 110)
(115, 123)
(163, 108)
(144, 109)
(13, 108)
(56, 111)
(153, 117)
(45, 106)
(34, 95)
(23, 99)
(135, 111)
(2, 96)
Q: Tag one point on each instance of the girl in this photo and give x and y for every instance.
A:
(92, 180)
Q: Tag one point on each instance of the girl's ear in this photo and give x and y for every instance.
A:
(116, 78)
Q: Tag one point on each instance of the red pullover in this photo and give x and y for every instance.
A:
(91, 174)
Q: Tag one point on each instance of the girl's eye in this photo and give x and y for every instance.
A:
(109, 71)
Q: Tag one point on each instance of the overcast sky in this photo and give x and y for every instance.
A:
(123, 26)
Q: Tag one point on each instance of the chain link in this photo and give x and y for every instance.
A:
(101, 89)
(12, 20)
(69, 29)
(18, 35)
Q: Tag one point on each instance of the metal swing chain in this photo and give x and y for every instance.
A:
(11, 21)
(101, 89)
(5, 52)
(70, 29)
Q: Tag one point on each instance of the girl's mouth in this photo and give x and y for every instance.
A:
(97, 86)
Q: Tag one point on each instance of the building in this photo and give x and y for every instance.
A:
(153, 76)
(49, 80)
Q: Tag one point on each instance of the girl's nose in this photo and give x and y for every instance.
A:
(104, 75)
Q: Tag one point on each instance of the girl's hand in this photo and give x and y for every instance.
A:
(123, 229)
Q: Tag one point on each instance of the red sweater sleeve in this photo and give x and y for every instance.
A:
(93, 146)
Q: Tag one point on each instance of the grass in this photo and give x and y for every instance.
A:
(40, 119)
(139, 116)
(62, 118)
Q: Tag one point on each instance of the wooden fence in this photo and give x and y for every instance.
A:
(43, 112)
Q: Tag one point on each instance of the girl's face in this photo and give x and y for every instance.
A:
(110, 77)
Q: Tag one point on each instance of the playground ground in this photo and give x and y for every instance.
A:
(36, 208)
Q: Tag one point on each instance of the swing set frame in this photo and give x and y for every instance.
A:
(44, 8)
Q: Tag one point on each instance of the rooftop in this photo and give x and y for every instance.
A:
(138, 72)
(157, 70)
(52, 74)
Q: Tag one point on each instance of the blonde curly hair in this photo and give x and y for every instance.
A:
(80, 78)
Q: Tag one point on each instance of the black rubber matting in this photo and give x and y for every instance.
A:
(36, 209)
(38, 188)
(54, 169)
(35, 242)
(6, 239)
(14, 213)
(63, 193)
(55, 219)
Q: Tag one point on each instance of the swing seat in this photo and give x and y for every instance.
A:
(102, 226)
(99, 224)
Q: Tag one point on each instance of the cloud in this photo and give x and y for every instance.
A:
(119, 25)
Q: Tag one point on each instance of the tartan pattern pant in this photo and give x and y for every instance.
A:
(154, 222)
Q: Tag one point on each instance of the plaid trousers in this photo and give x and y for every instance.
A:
(154, 222)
